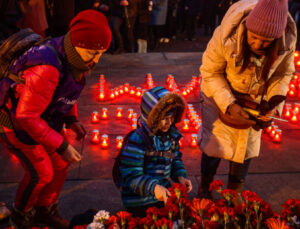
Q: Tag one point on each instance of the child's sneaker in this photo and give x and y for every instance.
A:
(4, 211)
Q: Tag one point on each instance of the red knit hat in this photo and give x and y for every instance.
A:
(268, 18)
(89, 29)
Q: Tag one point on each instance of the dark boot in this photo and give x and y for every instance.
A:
(203, 191)
(238, 187)
(50, 217)
(22, 220)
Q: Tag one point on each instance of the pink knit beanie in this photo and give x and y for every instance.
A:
(268, 18)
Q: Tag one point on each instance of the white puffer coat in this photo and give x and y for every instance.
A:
(220, 67)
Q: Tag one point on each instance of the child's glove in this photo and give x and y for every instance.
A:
(161, 193)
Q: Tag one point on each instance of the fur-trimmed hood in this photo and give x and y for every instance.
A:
(156, 102)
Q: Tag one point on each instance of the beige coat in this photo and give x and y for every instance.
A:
(222, 60)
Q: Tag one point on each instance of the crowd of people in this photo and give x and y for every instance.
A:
(136, 25)
(249, 58)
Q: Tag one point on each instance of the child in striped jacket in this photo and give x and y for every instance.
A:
(147, 172)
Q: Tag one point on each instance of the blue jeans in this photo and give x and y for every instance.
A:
(237, 171)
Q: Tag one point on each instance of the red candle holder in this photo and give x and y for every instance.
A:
(194, 140)
(117, 93)
(135, 116)
(119, 142)
(126, 87)
(96, 137)
(95, 117)
(104, 141)
(134, 121)
(119, 113)
(278, 135)
(104, 113)
(101, 95)
(132, 90)
(296, 107)
(288, 112)
(294, 117)
(138, 92)
(185, 127)
(272, 133)
(112, 94)
(292, 93)
(129, 113)
(121, 90)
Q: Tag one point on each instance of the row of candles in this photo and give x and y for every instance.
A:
(193, 119)
(138, 91)
(104, 142)
(132, 117)
(291, 112)
(274, 132)
(294, 86)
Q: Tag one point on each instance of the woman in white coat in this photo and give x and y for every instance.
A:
(251, 54)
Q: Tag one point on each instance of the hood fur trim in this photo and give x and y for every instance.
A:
(168, 102)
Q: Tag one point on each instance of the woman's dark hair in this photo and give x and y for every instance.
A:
(272, 54)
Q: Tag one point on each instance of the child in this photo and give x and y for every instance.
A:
(147, 172)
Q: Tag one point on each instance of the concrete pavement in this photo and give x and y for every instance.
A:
(274, 176)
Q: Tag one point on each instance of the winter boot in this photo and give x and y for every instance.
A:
(238, 187)
(203, 191)
(49, 216)
(22, 220)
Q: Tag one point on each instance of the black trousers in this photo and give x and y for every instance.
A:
(237, 171)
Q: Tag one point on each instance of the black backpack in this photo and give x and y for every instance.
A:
(116, 173)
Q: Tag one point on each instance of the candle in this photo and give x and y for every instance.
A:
(104, 113)
(126, 87)
(272, 133)
(119, 113)
(278, 135)
(186, 127)
(95, 137)
(119, 142)
(104, 141)
(95, 117)
(294, 118)
(194, 140)
(129, 113)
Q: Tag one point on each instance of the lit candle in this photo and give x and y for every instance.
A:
(95, 117)
(132, 90)
(121, 90)
(291, 93)
(296, 107)
(272, 133)
(119, 142)
(186, 127)
(294, 118)
(95, 137)
(134, 126)
(119, 113)
(278, 135)
(104, 141)
(129, 113)
(138, 92)
(134, 121)
(116, 90)
(112, 94)
(194, 140)
(104, 113)
(287, 112)
(101, 95)
(126, 87)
